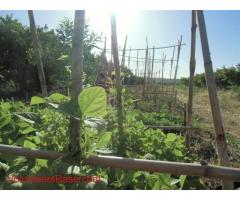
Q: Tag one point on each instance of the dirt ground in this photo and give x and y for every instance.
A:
(230, 110)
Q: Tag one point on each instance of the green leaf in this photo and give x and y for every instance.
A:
(178, 153)
(24, 118)
(41, 162)
(5, 120)
(27, 130)
(171, 137)
(182, 180)
(63, 57)
(5, 106)
(157, 185)
(93, 102)
(70, 108)
(95, 123)
(104, 151)
(28, 144)
(34, 139)
(104, 140)
(37, 100)
(58, 98)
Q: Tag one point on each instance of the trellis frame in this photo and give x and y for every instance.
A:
(210, 171)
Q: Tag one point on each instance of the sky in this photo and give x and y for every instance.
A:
(162, 28)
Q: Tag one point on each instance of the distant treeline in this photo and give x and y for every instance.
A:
(18, 70)
(226, 78)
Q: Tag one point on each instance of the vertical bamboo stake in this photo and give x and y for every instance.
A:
(163, 62)
(121, 147)
(145, 69)
(176, 69)
(170, 81)
(148, 72)
(124, 52)
(129, 58)
(152, 64)
(191, 76)
(137, 68)
(77, 76)
(37, 49)
(213, 98)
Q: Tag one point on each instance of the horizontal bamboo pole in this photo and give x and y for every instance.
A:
(171, 127)
(176, 168)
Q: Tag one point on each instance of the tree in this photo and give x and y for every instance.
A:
(90, 66)
(15, 69)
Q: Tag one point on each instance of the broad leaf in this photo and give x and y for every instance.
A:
(28, 144)
(70, 108)
(93, 102)
(37, 100)
(104, 140)
(171, 137)
(5, 120)
(58, 98)
(27, 130)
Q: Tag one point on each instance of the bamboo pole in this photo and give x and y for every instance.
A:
(137, 68)
(191, 76)
(163, 62)
(143, 49)
(37, 49)
(175, 168)
(148, 72)
(129, 60)
(170, 79)
(124, 52)
(164, 128)
(176, 68)
(105, 46)
(145, 69)
(213, 98)
(153, 52)
(121, 148)
(77, 76)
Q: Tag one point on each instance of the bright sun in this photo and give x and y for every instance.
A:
(100, 21)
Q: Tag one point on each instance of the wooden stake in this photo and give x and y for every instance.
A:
(129, 60)
(170, 80)
(121, 148)
(137, 68)
(152, 64)
(148, 71)
(172, 63)
(163, 62)
(145, 68)
(213, 98)
(175, 168)
(37, 49)
(77, 77)
(176, 68)
(191, 76)
(124, 52)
